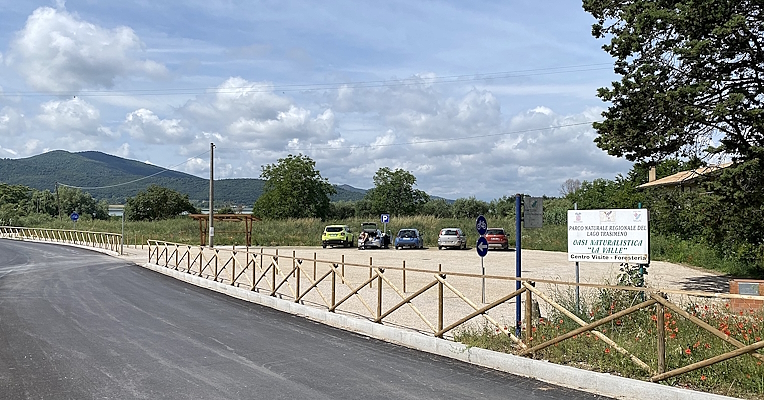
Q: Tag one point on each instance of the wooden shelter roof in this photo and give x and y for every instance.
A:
(684, 177)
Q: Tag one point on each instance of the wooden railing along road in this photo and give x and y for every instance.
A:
(434, 301)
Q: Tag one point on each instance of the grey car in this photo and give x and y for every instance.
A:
(452, 237)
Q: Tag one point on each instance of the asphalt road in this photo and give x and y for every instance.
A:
(76, 324)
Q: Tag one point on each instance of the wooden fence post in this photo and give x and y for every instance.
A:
(528, 316)
(661, 333)
(379, 294)
(404, 276)
(440, 303)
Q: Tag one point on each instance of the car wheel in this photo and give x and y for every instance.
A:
(440, 247)
(323, 245)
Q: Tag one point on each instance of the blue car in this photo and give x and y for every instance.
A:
(409, 238)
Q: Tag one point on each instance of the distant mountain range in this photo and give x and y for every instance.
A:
(90, 169)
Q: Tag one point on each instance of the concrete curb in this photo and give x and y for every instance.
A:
(588, 381)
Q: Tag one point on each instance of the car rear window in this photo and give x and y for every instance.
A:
(449, 232)
(334, 229)
(407, 234)
(494, 232)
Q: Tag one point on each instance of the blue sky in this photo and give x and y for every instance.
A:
(474, 98)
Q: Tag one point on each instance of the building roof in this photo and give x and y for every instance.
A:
(684, 177)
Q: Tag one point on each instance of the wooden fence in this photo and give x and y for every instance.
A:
(434, 301)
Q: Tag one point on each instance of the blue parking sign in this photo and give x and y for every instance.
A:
(385, 218)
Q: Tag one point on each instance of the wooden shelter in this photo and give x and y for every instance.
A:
(204, 224)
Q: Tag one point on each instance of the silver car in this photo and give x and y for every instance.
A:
(452, 237)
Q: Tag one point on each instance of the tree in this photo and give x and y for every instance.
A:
(74, 199)
(438, 208)
(293, 189)
(394, 193)
(569, 186)
(502, 207)
(469, 207)
(156, 203)
(691, 70)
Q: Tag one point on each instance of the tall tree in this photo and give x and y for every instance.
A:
(469, 207)
(155, 203)
(74, 199)
(293, 189)
(692, 71)
(394, 193)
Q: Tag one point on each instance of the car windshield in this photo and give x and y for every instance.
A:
(449, 232)
(494, 232)
(333, 229)
(407, 234)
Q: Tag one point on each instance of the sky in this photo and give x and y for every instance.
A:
(480, 98)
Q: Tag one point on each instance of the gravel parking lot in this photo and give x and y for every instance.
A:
(538, 265)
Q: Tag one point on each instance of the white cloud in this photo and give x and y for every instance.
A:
(147, 127)
(124, 151)
(12, 122)
(58, 51)
(250, 115)
(72, 116)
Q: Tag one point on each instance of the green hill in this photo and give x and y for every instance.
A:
(91, 169)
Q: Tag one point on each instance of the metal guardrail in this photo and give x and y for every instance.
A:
(99, 240)
(438, 304)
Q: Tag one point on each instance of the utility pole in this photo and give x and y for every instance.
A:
(58, 202)
(212, 180)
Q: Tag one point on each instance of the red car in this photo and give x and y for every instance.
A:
(496, 238)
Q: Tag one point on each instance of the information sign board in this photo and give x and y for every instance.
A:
(619, 235)
(533, 212)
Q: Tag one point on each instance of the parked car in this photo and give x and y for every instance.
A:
(452, 237)
(497, 238)
(372, 237)
(337, 235)
(409, 237)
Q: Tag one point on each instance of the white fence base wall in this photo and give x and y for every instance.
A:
(599, 383)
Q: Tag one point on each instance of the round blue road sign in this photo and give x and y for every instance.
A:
(74, 216)
(481, 225)
(482, 246)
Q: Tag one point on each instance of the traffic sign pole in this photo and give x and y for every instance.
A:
(482, 246)
(518, 262)
(482, 267)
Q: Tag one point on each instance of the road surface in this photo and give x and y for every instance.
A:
(76, 324)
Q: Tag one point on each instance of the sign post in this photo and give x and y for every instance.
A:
(74, 218)
(385, 219)
(481, 225)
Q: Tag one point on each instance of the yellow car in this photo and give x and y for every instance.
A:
(337, 235)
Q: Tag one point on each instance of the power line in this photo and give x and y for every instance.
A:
(434, 140)
(170, 169)
(134, 180)
(306, 87)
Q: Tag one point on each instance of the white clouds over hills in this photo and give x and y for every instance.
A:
(158, 83)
